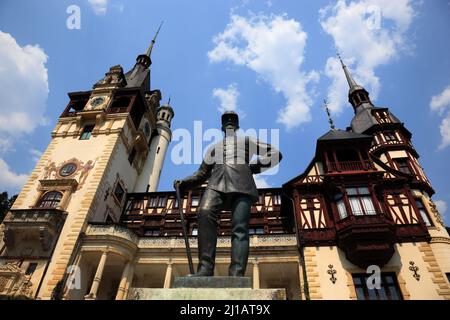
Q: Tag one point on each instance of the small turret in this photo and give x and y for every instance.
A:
(357, 94)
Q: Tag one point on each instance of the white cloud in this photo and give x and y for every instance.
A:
(441, 101)
(99, 6)
(367, 33)
(23, 96)
(9, 180)
(23, 86)
(441, 104)
(273, 47)
(441, 205)
(228, 97)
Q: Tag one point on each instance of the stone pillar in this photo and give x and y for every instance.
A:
(168, 278)
(300, 278)
(255, 274)
(72, 275)
(98, 277)
(125, 280)
(129, 281)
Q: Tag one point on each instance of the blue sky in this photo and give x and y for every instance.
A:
(274, 61)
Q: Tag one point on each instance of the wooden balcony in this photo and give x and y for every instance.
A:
(349, 166)
(153, 218)
(367, 240)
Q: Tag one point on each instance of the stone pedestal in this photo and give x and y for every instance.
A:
(208, 288)
(212, 282)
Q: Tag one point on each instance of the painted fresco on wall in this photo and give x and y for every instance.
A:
(69, 169)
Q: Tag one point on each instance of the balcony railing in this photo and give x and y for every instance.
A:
(349, 166)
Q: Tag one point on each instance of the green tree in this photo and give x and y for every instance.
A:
(5, 203)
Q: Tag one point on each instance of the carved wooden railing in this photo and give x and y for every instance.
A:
(349, 166)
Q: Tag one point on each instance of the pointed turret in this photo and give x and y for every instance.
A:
(357, 94)
(139, 76)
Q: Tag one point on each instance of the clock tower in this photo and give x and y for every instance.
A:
(106, 141)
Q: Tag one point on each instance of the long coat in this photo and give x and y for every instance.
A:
(229, 165)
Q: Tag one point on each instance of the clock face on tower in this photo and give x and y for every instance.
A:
(97, 101)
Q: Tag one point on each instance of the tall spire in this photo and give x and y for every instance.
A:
(150, 47)
(357, 95)
(330, 120)
(351, 82)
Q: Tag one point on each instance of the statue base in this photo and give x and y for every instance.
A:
(212, 282)
(208, 288)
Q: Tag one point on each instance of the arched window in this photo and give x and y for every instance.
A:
(50, 199)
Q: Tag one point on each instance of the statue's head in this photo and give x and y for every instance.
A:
(230, 121)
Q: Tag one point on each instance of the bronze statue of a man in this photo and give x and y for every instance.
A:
(229, 169)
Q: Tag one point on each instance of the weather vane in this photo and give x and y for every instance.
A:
(330, 120)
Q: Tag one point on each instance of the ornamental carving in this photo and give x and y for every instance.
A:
(114, 77)
(332, 272)
(153, 99)
(13, 282)
(69, 169)
(436, 213)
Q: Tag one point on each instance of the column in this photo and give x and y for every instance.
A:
(255, 274)
(300, 277)
(98, 277)
(73, 276)
(129, 281)
(125, 279)
(168, 278)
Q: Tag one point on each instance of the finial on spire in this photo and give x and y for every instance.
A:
(330, 120)
(150, 47)
(351, 82)
(168, 102)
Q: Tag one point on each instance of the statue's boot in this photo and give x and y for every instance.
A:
(240, 237)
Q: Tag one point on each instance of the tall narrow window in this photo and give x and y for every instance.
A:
(402, 165)
(390, 136)
(389, 288)
(87, 132)
(423, 213)
(360, 201)
(261, 198)
(153, 202)
(339, 198)
(50, 199)
(276, 199)
(195, 200)
(132, 155)
(162, 201)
